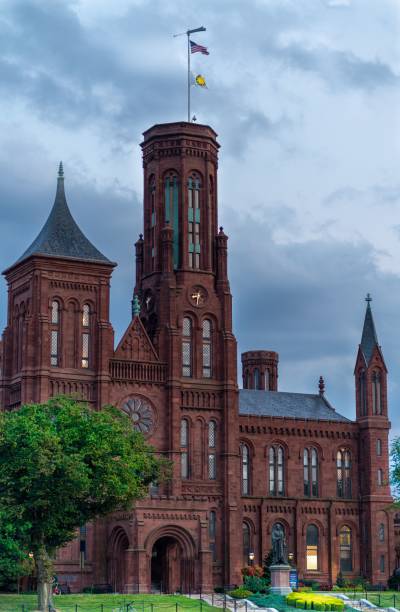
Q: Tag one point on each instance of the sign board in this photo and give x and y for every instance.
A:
(293, 579)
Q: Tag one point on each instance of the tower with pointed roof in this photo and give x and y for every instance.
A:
(58, 335)
(372, 418)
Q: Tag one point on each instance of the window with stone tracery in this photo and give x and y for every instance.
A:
(55, 333)
(207, 348)
(343, 473)
(276, 471)
(184, 442)
(376, 393)
(310, 469)
(245, 459)
(194, 189)
(187, 347)
(85, 336)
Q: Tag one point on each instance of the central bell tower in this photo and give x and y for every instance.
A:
(186, 307)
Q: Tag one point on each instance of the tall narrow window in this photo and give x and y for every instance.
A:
(171, 187)
(207, 348)
(380, 477)
(266, 379)
(306, 470)
(85, 335)
(212, 458)
(246, 543)
(54, 333)
(379, 447)
(194, 187)
(345, 549)
(363, 394)
(245, 458)
(256, 378)
(184, 439)
(212, 533)
(312, 546)
(376, 393)
(187, 347)
(153, 222)
(343, 473)
(276, 470)
(381, 532)
(382, 564)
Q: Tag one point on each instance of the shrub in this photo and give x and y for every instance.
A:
(340, 580)
(240, 593)
(253, 570)
(315, 586)
(305, 589)
(311, 601)
(256, 584)
(394, 580)
(219, 590)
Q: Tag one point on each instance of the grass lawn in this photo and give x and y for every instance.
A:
(386, 599)
(110, 603)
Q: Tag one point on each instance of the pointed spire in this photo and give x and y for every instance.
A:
(321, 386)
(369, 339)
(60, 236)
(135, 306)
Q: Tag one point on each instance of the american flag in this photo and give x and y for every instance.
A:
(195, 48)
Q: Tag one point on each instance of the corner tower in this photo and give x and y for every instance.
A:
(372, 418)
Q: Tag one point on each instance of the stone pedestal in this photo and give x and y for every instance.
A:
(280, 579)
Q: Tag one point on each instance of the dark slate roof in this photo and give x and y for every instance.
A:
(290, 405)
(369, 339)
(61, 236)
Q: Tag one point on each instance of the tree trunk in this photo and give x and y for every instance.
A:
(44, 569)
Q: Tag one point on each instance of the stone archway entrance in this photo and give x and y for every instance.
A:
(172, 561)
(117, 567)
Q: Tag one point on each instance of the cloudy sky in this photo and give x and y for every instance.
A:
(304, 95)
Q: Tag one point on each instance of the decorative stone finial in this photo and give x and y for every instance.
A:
(135, 306)
(368, 299)
(140, 236)
(321, 385)
(60, 170)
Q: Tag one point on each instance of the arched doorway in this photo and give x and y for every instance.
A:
(117, 561)
(172, 554)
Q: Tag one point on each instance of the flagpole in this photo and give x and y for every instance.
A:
(188, 33)
(188, 76)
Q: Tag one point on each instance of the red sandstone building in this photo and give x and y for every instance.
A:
(243, 459)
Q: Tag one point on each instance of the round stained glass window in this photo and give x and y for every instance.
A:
(141, 414)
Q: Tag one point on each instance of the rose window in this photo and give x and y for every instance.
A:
(141, 414)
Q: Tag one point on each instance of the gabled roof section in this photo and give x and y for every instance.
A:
(135, 344)
(289, 405)
(369, 339)
(61, 236)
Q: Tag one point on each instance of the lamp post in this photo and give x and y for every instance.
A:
(251, 557)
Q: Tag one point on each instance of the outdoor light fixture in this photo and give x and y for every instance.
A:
(251, 557)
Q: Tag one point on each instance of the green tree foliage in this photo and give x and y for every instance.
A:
(14, 559)
(62, 465)
(395, 471)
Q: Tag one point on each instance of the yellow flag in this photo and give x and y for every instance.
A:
(200, 81)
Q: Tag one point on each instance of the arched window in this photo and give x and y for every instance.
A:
(310, 469)
(187, 347)
(212, 458)
(379, 447)
(207, 348)
(212, 434)
(343, 473)
(171, 190)
(363, 393)
(184, 439)
(312, 547)
(381, 532)
(194, 186)
(55, 333)
(246, 543)
(212, 533)
(153, 221)
(380, 477)
(276, 470)
(85, 335)
(376, 393)
(345, 549)
(256, 378)
(245, 458)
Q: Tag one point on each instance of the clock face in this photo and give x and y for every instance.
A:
(148, 301)
(141, 413)
(198, 296)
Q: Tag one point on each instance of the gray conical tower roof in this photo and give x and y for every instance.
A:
(61, 236)
(369, 339)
